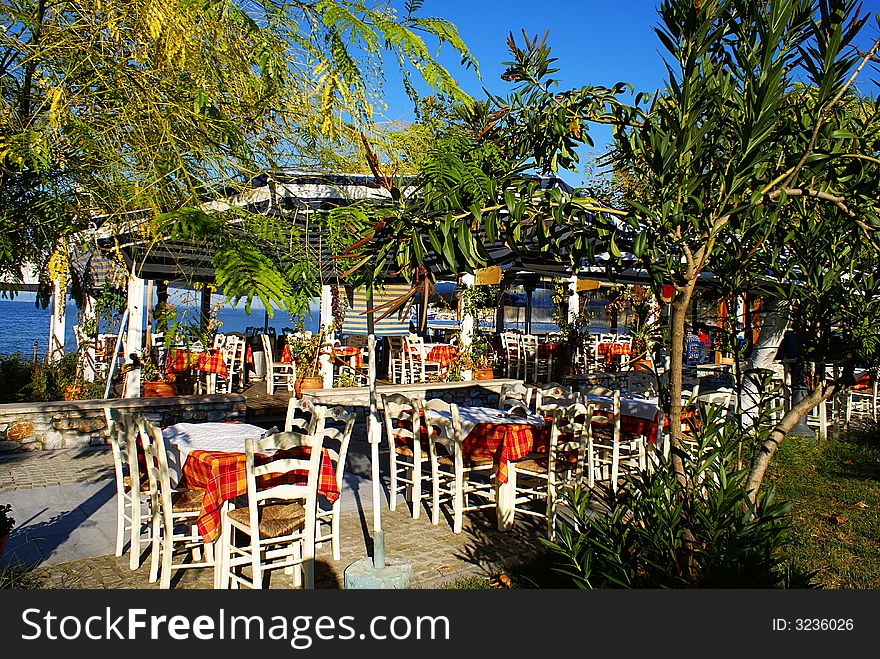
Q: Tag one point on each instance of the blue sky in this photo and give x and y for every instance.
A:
(596, 42)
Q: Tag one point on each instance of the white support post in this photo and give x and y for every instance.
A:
(466, 333)
(574, 302)
(57, 323)
(326, 321)
(88, 355)
(134, 335)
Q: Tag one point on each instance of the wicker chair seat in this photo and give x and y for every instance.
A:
(187, 501)
(275, 519)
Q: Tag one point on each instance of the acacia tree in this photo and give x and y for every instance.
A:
(151, 106)
(749, 128)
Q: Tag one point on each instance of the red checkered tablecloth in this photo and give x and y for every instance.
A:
(504, 442)
(223, 476)
(209, 361)
(609, 350)
(548, 349)
(445, 354)
(350, 355)
(501, 442)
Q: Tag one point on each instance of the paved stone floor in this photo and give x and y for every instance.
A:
(439, 557)
(24, 471)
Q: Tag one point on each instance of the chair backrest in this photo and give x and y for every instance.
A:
(514, 393)
(270, 457)
(401, 420)
(529, 343)
(415, 357)
(335, 425)
(551, 390)
(268, 353)
(641, 383)
(569, 436)
(444, 428)
(233, 349)
(301, 416)
(122, 430)
(158, 469)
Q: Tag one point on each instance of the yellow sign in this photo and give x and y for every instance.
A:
(587, 285)
(487, 276)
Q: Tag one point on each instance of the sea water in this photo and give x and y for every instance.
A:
(22, 323)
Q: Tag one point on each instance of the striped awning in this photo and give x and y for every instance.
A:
(355, 321)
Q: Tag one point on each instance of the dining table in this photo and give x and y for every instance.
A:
(184, 360)
(504, 437)
(211, 456)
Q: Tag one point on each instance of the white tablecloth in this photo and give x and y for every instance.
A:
(471, 416)
(182, 438)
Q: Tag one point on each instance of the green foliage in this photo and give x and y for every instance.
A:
(478, 354)
(6, 519)
(23, 380)
(656, 532)
(119, 110)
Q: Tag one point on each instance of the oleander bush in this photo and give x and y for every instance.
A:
(657, 531)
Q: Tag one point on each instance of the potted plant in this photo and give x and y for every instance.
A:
(6, 524)
(153, 382)
(305, 352)
(477, 357)
(645, 326)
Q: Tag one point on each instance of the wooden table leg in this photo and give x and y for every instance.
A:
(505, 494)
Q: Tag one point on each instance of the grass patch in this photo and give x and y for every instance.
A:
(19, 578)
(835, 491)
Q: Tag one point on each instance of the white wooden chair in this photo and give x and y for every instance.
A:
(418, 366)
(177, 512)
(455, 479)
(277, 527)
(513, 359)
(864, 401)
(276, 372)
(133, 501)
(515, 393)
(336, 425)
(397, 365)
(609, 455)
(407, 455)
(232, 349)
(543, 478)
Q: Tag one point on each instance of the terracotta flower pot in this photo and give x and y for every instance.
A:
(484, 374)
(313, 382)
(158, 389)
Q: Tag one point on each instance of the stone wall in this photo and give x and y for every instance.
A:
(77, 424)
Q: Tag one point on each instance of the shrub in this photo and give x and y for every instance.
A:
(658, 532)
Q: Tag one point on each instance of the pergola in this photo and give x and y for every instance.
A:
(299, 196)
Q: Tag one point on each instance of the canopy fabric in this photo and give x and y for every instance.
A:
(355, 321)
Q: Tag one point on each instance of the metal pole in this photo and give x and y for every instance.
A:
(374, 436)
(123, 325)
